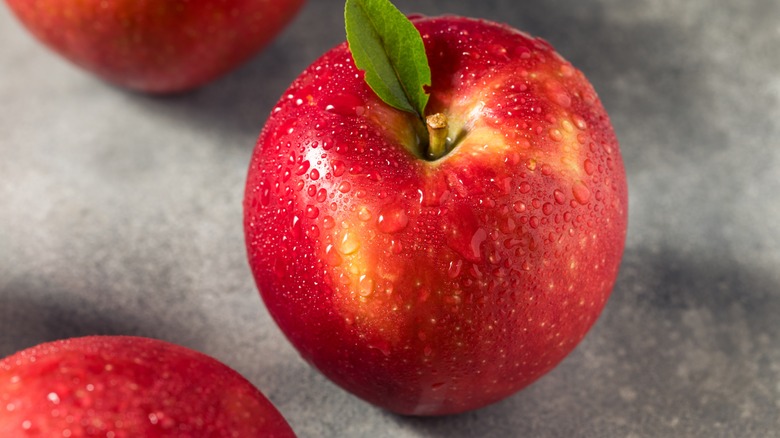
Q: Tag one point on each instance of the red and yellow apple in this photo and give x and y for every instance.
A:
(156, 46)
(436, 286)
(129, 387)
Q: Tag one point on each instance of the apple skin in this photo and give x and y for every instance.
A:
(156, 46)
(437, 287)
(123, 386)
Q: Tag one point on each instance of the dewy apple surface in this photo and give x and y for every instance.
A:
(436, 286)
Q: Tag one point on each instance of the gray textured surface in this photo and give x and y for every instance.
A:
(121, 214)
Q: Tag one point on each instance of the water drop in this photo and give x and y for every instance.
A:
(364, 215)
(314, 174)
(265, 195)
(476, 241)
(296, 227)
(396, 247)
(328, 222)
(382, 346)
(312, 211)
(589, 167)
(581, 192)
(507, 225)
(349, 243)
(392, 219)
(365, 285)
(346, 105)
(332, 256)
(555, 134)
(560, 198)
(547, 208)
(525, 187)
(344, 187)
(302, 168)
(454, 269)
(338, 168)
(579, 122)
(322, 195)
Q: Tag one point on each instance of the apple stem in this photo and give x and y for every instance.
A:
(437, 135)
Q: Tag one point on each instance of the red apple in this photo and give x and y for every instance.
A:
(156, 46)
(119, 386)
(433, 287)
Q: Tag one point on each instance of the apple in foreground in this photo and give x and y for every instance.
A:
(156, 46)
(436, 285)
(122, 386)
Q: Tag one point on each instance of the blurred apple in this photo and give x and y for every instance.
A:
(156, 46)
(129, 387)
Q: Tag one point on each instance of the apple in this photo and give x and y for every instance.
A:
(156, 46)
(432, 284)
(123, 386)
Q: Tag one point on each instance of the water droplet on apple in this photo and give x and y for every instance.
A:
(346, 105)
(332, 256)
(579, 122)
(581, 192)
(476, 241)
(344, 187)
(392, 219)
(382, 346)
(314, 174)
(555, 134)
(328, 222)
(364, 215)
(547, 208)
(365, 285)
(349, 243)
(312, 211)
(322, 195)
(302, 168)
(507, 225)
(296, 227)
(560, 198)
(590, 168)
(265, 194)
(454, 269)
(396, 246)
(525, 187)
(338, 168)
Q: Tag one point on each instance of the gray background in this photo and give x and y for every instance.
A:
(121, 214)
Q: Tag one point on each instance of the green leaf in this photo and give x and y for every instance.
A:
(387, 46)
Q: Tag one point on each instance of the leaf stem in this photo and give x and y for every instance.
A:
(437, 135)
